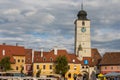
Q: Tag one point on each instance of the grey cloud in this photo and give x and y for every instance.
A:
(50, 23)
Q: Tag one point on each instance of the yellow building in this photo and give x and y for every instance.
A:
(16, 54)
(44, 61)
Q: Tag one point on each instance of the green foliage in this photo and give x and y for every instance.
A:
(61, 65)
(21, 69)
(38, 73)
(5, 63)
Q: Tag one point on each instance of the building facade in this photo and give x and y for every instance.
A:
(45, 61)
(110, 62)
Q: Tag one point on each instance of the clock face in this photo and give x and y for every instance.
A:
(83, 29)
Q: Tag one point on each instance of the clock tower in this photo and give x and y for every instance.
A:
(82, 35)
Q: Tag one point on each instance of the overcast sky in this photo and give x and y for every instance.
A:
(48, 23)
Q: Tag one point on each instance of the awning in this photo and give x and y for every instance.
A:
(114, 74)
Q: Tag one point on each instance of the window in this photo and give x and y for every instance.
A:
(37, 66)
(105, 67)
(16, 67)
(22, 60)
(43, 66)
(75, 67)
(51, 59)
(44, 59)
(111, 67)
(83, 23)
(118, 67)
(18, 60)
(50, 66)
(83, 67)
(86, 66)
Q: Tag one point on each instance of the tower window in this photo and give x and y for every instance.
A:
(83, 23)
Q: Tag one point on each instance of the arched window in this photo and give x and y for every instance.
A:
(69, 75)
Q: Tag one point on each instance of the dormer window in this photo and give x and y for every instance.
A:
(44, 59)
(51, 59)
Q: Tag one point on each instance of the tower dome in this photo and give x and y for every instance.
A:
(82, 15)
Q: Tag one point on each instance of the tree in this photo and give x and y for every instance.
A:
(21, 71)
(61, 66)
(38, 73)
(5, 63)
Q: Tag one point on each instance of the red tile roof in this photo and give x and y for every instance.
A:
(14, 50)
(47, 56)
(28, 56)
(51, 57)
(111, 58)
(10, 51)
(94, 59)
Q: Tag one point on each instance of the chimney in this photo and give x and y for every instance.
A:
(55, 51)
(41, 53)
(32, 56)
(16, 44)
(3, 52)
(4, 43)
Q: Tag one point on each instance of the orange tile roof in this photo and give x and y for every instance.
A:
(14, 50)
(51, 57)
(111, 58)
(10, 51)
(28, 56)
(94, 59)
(47, 56)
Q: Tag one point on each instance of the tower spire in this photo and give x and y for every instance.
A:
(82, 5)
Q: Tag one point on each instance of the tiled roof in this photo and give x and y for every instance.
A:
(8, 50)
(28, 56)
(14, 50)
(48, 57)
(51, 57)
(111, 58)
(94, 59)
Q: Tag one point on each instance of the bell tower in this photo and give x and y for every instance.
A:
(82, 35)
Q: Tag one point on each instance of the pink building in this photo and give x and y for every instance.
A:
(110, 62)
